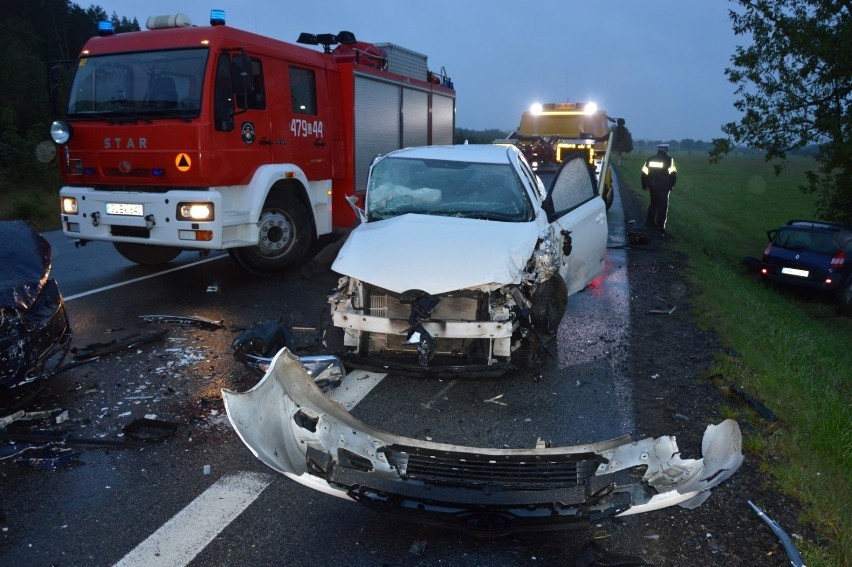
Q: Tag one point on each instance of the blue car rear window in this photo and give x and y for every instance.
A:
(813, 241)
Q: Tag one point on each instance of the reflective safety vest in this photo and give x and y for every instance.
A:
(659, 172)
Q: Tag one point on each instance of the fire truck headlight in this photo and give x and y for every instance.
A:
(590, 108)
(195, 211)
(69, 205)
(60, 132)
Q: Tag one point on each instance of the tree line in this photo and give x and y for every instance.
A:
(33, 35)
(793, 76)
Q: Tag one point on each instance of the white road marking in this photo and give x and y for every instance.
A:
(354, 387)
(180, 539)
(439, 395)
(183, 537)
(139, 279)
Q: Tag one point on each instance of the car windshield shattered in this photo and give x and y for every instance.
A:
(490, 191)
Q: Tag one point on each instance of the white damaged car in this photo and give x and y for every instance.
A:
(463, 264)
(463, 261)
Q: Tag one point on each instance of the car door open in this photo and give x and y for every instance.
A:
(572, 205)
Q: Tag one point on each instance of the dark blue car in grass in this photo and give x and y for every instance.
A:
(810, 254)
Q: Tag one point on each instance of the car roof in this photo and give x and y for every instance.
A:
(476, 153)
(820, 225)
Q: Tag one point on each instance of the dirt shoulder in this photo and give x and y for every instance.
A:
(669, 361)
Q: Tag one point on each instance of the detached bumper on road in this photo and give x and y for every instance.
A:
(290, 425)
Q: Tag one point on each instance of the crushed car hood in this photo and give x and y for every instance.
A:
(436, 254)
(290, 425)
(25, 257)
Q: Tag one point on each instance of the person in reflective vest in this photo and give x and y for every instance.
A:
(659, 175)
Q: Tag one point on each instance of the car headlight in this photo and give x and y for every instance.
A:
(195, 211)
(60, 131)
(69, 205)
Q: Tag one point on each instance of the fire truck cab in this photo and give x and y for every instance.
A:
(211, 138)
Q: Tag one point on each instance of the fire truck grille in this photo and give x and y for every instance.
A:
(114, 172)
(132, 231)
(146, 188)
(521, 472)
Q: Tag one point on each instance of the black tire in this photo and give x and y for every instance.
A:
(285, 236)
(147, 254)
(548, 307)
(529, 355)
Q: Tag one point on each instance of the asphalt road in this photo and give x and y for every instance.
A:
(200, 497)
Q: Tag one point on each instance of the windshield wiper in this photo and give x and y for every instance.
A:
(161, 112)
(124, 117)
(509, 217)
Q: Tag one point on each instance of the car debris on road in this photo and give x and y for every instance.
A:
(294, 428)
(793, 553)
(194, 320)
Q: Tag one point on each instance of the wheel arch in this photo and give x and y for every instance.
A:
(278, 177)
(296, 188)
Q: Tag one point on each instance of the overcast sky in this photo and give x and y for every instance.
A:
(657, 63)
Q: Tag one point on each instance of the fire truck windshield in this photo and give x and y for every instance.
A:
(142, 84)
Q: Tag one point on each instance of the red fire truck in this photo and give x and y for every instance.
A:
(213, 138)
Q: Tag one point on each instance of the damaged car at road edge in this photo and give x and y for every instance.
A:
(35, 334)
(291, 426)
(464, 261)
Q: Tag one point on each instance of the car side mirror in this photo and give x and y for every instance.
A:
(359, 212)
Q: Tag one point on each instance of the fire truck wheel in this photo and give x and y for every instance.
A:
(146, 254)
(285, 235)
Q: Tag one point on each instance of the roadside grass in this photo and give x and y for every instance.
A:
(36, 203)
(792, 351)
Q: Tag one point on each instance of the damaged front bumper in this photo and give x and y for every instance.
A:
(290, 425)
(468, 332)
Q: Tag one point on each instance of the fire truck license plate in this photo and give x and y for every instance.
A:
(127, 209)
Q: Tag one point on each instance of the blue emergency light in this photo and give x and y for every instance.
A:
(105, 28)
(217, 17)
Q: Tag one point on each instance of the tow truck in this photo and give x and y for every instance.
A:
(549, 132)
